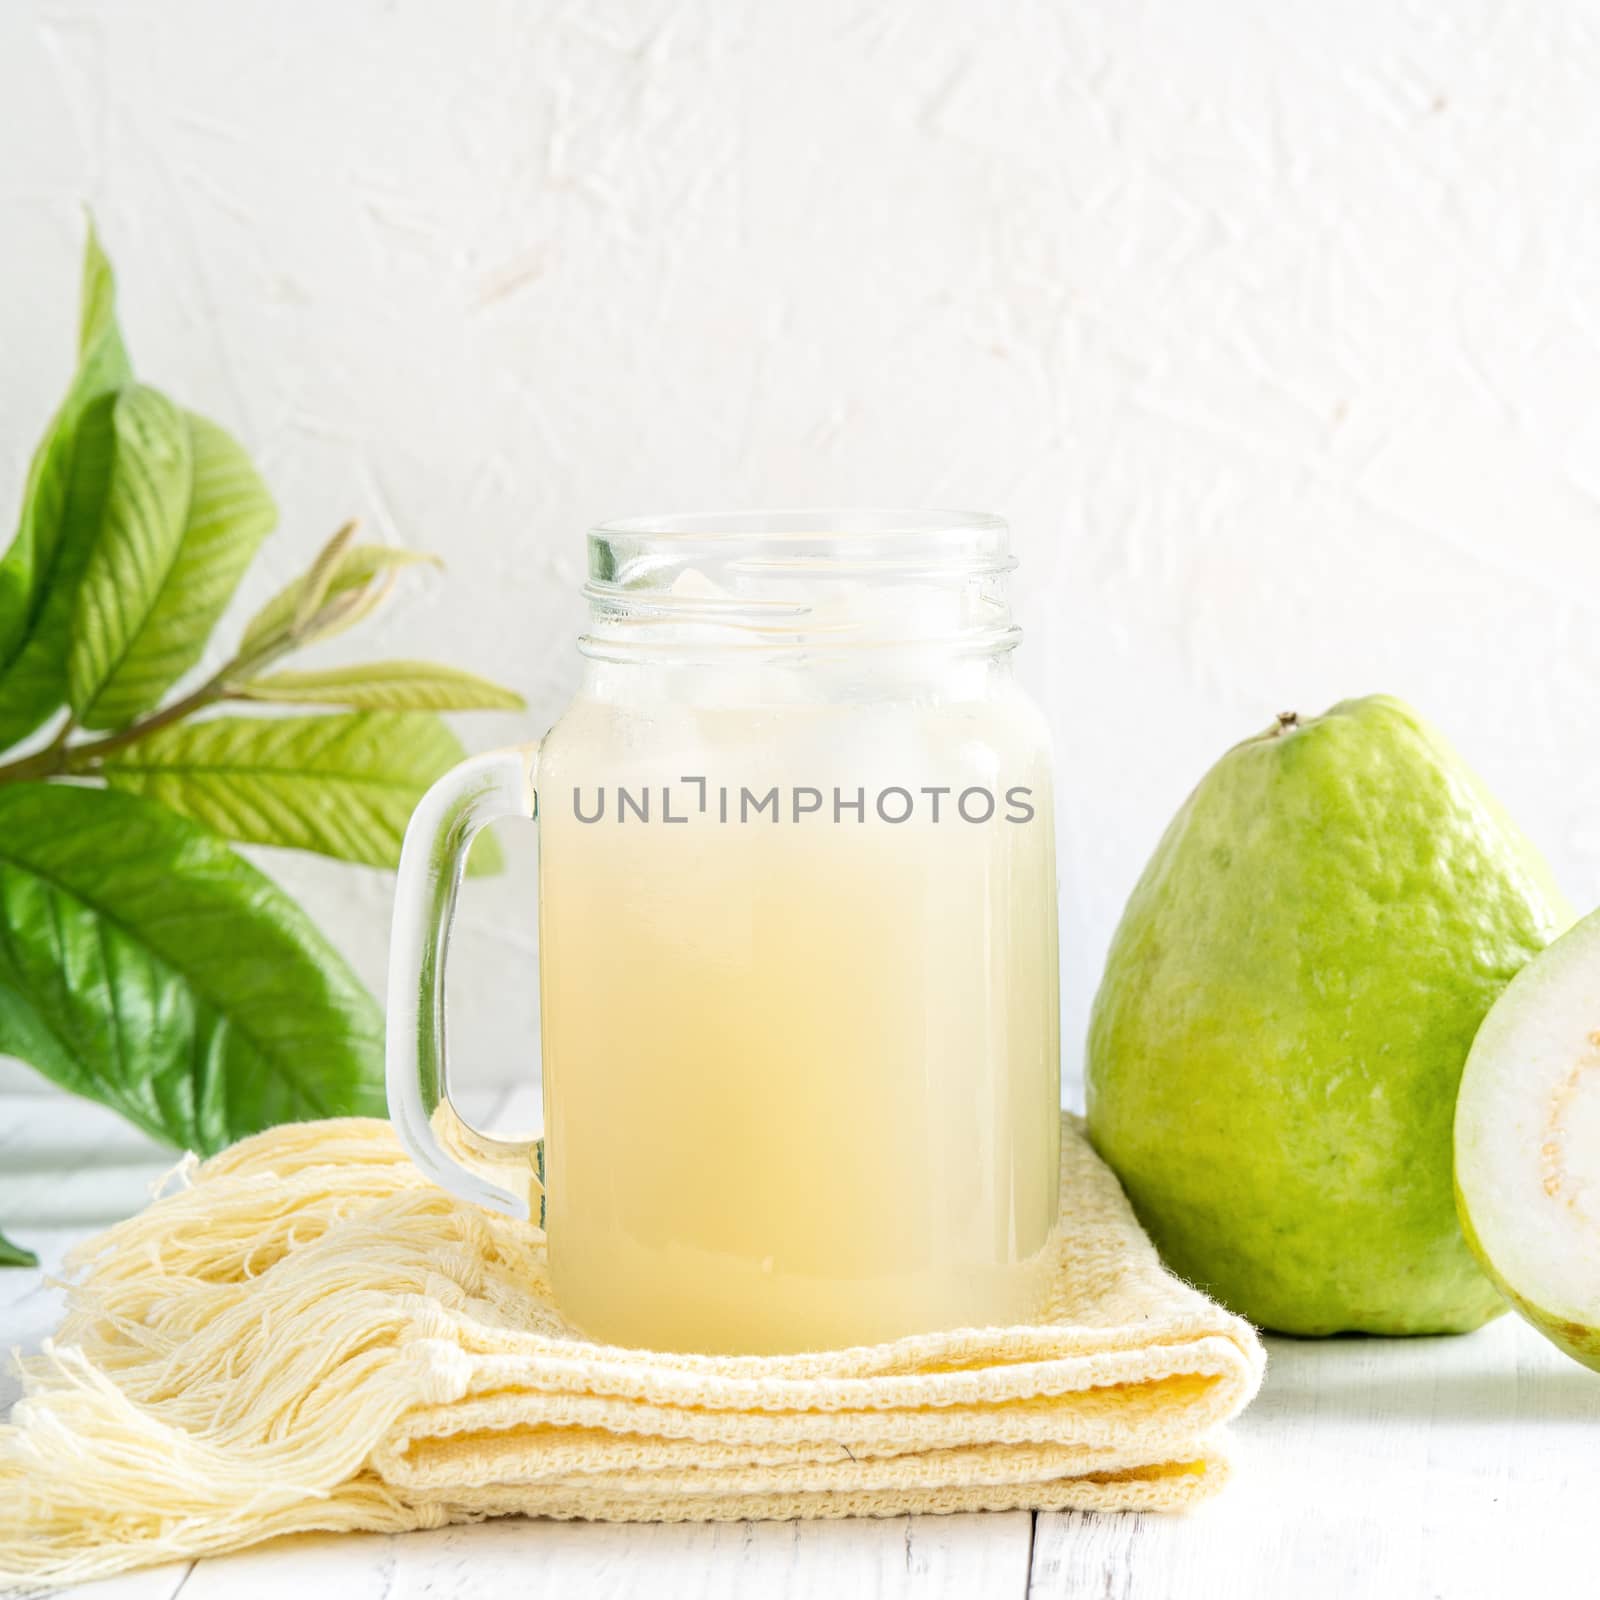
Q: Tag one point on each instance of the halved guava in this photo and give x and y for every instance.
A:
(1528, 1143)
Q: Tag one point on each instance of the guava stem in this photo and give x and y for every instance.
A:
(1286, 721)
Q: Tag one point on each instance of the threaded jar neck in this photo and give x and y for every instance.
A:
(780, 583)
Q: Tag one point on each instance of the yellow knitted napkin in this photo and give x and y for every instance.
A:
(310, 1335)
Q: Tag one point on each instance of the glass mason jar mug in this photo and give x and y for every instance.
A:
(797, 942)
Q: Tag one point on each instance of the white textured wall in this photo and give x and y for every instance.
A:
(1274, 328)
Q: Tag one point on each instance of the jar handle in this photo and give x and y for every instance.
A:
(498, 1173)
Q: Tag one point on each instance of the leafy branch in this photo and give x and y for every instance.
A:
(142, 962)
(343, 585)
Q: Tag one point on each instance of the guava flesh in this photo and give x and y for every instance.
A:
(1287, 1005)
(1527, 1140)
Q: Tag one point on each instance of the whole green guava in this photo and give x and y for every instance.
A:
(1288, 1002)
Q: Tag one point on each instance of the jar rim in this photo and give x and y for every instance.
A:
(845, 524)
(826, 542)
(782, 582)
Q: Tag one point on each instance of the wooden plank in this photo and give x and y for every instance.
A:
(1456, 1467)
(975, 1557)
(353, 1566)
(152, 1583)
(67, 1167)
(30, 1307)
(65, 1161)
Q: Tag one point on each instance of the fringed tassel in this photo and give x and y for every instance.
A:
(242, 1401)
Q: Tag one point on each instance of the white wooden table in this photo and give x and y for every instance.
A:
(1430, 1467)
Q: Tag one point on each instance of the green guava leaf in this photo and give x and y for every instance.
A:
(354, 569)
(342, 785)
(60, 514)
(145, 965)
(228, 515)
(13, 1255)
(183, 515)
(385, 686)
(133, 555)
